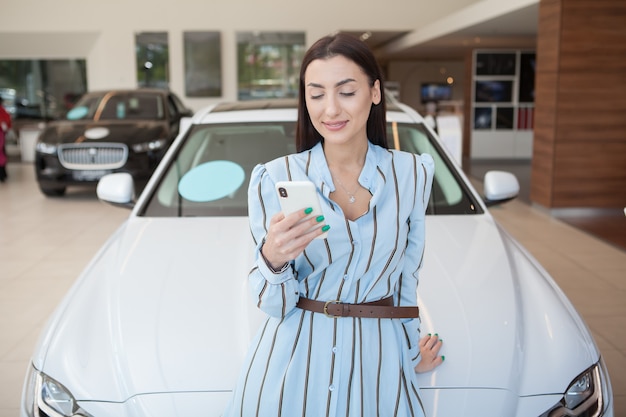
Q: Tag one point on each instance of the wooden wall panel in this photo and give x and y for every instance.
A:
(542, 171)
(546, 80)
(548, 35)
(579, 153)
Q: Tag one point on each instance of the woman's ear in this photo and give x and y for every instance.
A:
(376, 93)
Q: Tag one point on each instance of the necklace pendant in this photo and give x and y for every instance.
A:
(352, 199)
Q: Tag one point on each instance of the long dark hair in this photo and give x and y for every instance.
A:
(359, 53)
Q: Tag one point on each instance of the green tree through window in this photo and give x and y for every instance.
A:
(268, 64)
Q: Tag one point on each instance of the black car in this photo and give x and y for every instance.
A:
(105, 132)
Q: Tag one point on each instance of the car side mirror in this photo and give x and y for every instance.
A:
(117, 189)
(499, 187)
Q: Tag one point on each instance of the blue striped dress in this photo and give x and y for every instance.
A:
(307, 364)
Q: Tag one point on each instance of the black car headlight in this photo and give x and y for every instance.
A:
(153, 145)
(47, 148)
(43, 396)
(587, 395)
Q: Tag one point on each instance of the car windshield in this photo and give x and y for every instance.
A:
(118, 106)
(209, 174)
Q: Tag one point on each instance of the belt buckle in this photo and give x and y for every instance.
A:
(326, 313)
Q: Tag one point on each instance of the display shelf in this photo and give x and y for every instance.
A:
(502, 112)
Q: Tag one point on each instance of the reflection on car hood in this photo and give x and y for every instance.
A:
(505, 323)
(123, 131)
(166, 309)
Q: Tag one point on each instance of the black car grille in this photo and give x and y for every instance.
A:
(93, 156)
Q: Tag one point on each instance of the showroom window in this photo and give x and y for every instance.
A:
(268, 64)
(203, 64)
(152, 55)
(38, 89)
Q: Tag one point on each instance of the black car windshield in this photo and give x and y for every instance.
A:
(210, 171)
(118, 106)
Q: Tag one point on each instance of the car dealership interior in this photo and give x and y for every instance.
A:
(532, 87)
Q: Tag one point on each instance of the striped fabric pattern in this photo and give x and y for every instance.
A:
(307, 364)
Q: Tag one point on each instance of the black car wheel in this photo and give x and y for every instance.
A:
(53, 192)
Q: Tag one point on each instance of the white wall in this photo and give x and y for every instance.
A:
(502, 144)
(410, 76)
(103, 32)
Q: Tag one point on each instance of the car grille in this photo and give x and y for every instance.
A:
(93, 156)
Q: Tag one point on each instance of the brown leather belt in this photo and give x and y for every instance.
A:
(382, 309)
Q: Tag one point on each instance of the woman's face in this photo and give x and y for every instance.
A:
(339, 98)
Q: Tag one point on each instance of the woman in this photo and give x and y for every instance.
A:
(358, 355)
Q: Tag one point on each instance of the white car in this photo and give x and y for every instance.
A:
(159, 322)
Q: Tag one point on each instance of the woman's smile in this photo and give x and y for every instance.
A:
(335, 126)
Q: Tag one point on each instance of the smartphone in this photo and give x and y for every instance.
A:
(299, 195)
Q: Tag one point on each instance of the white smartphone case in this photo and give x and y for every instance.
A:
(299, 195)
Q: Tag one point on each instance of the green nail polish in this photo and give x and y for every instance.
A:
(308, 210)
(443, 358)
(325, 228)
(320, 218)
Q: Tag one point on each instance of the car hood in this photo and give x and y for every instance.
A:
(164, 307)
(105, 131)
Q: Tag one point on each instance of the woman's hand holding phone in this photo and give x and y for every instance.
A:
(300, 221)
(288, 236)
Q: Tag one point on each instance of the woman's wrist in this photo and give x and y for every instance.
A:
(276, 270)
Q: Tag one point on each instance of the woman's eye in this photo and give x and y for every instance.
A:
(348, 94)
(316, 96)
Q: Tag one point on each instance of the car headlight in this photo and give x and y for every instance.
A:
(47, 148)
(586, 396)
(43, 396)
(153, 145)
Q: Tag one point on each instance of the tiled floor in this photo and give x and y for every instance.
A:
(45, 243)
(608, 225)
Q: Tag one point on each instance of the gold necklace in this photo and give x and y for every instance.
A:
(351, 195)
